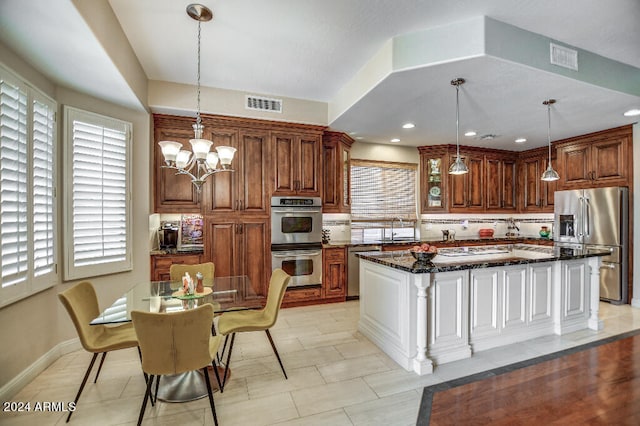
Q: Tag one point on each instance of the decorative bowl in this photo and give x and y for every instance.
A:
(544, 234)
(423, 256)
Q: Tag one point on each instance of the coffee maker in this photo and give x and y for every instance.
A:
(168, 235)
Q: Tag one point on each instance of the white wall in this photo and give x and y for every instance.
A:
(35, 326)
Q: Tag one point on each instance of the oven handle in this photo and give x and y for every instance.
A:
(285, 210)
(292, 253)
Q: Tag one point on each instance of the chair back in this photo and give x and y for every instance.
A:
(81, 303)
(177, 271)
(277, 287)
(175, 342)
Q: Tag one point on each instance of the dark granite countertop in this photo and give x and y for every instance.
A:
(175, 252)
(455, 259)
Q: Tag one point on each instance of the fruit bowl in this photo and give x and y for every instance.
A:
(423, 256)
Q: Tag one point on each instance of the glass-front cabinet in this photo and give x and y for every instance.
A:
(433, 176)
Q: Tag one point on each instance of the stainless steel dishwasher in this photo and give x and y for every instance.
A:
(353, 270)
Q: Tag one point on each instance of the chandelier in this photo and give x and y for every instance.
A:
(201, 163)
(549, 175)
(458, 167)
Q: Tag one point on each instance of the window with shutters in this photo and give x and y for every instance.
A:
(97, 195)
(382, 193)
(27, 189)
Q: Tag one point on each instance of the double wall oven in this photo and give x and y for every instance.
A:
(296, 239)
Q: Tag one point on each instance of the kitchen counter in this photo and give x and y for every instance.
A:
(456, 259)
(174, 252)
(469, 299)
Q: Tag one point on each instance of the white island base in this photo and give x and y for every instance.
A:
(425, 319)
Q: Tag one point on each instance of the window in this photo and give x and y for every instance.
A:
(380, 192)
(97, 200)
(27, 189)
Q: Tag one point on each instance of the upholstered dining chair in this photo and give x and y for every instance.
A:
(177, 270)
(234, 322)
(174, 343)
(81, 303)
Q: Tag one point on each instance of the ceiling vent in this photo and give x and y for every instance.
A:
(563, 56)
(260, 103)
(488, 137)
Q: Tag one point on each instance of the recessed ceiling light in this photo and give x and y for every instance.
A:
(408, 126)
(470, 133)
(632, 112)
(353, 133)
(359, 137)
(395, 140)
(521, 140)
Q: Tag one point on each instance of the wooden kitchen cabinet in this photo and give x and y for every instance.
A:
(501, 183)
(161, 263)
(296, 163)
(334, 274)
(173, 193)
(595, 160)
(467, 191)
(433, 178)
(244, 190)
(336, 163)
(536, 194)
(240, 246)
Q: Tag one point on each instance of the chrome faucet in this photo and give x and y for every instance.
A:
(399, 219)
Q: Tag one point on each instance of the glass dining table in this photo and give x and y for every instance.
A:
(224, 293)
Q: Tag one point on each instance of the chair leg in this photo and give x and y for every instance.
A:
(144, 401)
(104, 355)
(146, 377)
(276, 352)
(157, 385)
(215, 370)
(213, 406)
(226, 369)
(84, 381)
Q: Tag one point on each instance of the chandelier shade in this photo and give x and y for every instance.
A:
(199, 163)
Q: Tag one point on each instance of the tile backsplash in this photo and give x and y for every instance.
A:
(431, 226)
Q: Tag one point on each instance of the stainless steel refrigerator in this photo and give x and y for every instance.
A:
(596, 219)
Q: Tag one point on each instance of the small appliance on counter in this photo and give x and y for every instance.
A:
(168, 235)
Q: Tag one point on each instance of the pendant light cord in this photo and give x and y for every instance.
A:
(457, 122)
(549, 130)
(198, 119)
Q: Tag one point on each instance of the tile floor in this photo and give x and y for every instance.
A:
(336, 377)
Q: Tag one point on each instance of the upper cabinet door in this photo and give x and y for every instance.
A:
(296, 164)
(596, 160)
(253, 194)
(336, 172)
(219, 191)
(173, 193)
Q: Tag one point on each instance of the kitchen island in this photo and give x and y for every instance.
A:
(469, 299)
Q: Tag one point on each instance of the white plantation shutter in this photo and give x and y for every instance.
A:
(13, 183)
(43, 190)
(98, 182)
(381, 191)
(27, 196)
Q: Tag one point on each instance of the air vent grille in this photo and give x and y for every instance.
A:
(260, 103)
(563, 56)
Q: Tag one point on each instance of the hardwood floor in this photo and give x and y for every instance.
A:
(597, 383)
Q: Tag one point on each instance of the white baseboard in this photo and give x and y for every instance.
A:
(15, 385)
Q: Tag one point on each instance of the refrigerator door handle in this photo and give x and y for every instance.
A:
(580, 228)
(587, 219)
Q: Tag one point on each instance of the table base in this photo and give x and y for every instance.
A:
(188, 386)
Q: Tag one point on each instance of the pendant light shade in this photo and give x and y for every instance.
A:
(458, 167)
(549, 175)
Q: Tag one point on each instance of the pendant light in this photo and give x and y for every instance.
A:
(549, 175)
(458, 167)
(204, 162)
